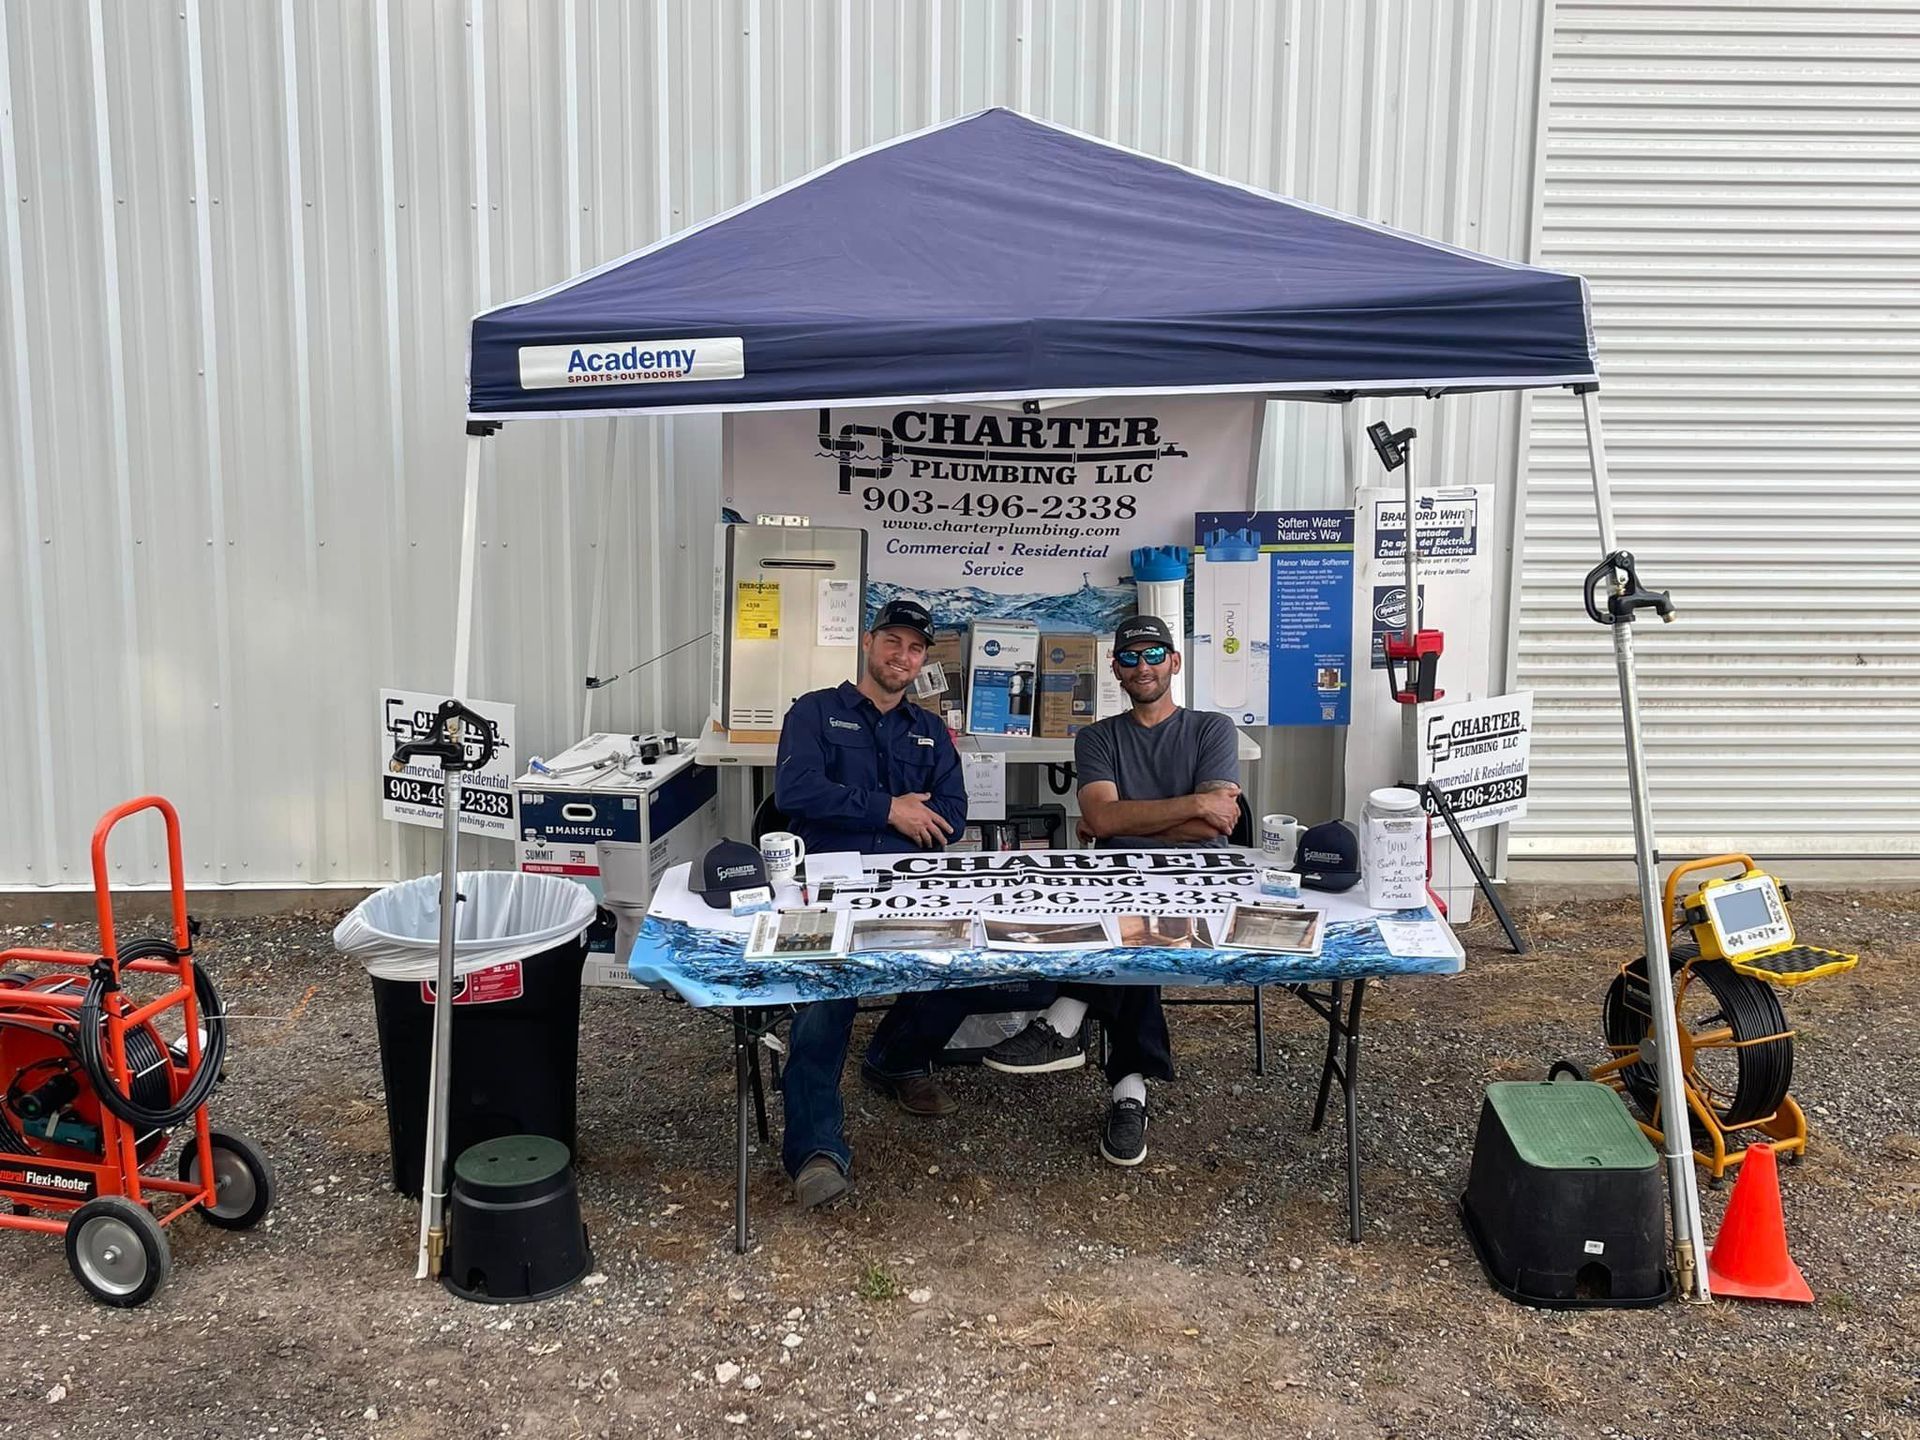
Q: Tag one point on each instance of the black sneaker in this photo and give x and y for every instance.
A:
(1036, 1050)
(1123, 1139)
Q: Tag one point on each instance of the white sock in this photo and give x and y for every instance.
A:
(1131, 1087)
(1065, 1015)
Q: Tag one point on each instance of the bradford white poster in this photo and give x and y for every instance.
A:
(992, 511)
(1457, 545)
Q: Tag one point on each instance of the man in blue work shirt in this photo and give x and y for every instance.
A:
(863, 768)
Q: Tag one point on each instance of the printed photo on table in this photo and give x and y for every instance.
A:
(1273, 927)
(794, 934)
(1017, 934)
(899, 934)
(1157, 932)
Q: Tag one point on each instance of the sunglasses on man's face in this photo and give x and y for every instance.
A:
(1153, 655)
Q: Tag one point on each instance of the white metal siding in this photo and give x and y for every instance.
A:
(240, 246)
(1740, 182)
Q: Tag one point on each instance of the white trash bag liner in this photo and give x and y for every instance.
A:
(505, 916)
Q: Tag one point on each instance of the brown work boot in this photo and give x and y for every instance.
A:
(920, 1095)
(819, 1182)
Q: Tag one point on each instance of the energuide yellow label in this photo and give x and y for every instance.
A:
(756, 608)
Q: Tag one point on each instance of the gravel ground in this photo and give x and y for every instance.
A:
(992, 1276)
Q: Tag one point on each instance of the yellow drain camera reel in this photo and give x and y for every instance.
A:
(1733, 942)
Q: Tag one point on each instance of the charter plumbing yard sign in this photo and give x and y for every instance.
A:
(415, 794)
(1477, 753)
(996, 511)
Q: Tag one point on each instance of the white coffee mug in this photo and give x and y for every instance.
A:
(1279, 838)
(783, 851)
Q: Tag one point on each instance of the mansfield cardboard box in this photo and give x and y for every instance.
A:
(615, 829)
(1068, 684)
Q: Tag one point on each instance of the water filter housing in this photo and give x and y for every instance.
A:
(1160, 578)
(1238, 616)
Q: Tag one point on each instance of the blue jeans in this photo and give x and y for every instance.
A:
(906, 1042)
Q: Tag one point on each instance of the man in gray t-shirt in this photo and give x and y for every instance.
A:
(1158, 777)
(1173, 782)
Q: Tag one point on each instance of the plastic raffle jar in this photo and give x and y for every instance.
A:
(1393, 847)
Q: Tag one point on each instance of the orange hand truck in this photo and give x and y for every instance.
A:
(91, 1092)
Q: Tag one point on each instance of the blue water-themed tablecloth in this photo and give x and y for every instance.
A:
(697, 951)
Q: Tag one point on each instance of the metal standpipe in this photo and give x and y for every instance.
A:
(1683, 1196)
(433, 1175)
(433, 1194)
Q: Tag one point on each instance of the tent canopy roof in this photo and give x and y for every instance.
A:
(1000, 257)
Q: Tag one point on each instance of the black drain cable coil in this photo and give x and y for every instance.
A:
(1749, 1008)
(213, 1051)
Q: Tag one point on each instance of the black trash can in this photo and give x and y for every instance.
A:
(516, 1022)
(516, 1056)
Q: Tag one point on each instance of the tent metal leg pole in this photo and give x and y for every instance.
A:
(742, 1102)
(600, 548)
(1689, 1241)
(469, 546)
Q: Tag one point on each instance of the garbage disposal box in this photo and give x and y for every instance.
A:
(519, 946)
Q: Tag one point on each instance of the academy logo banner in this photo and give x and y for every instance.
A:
(631, 362)
(993, 511)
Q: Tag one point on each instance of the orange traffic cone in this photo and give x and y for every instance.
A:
(1749, 1259)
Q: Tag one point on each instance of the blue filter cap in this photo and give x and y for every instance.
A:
(1154, 564)
(1232, 544)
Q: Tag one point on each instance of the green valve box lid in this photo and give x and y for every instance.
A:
(1570, 1125)
(512, 1167)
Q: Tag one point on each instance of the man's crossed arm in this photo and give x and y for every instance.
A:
(1212, 810)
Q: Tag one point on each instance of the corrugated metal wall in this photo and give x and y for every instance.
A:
(1740, 181)
(242, 242)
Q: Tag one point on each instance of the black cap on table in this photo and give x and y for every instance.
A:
(729, 866)
(1329, 857)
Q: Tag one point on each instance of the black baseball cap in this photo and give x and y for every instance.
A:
(726, 867)
(904, 615)
(1329, 857)
(1142, 630)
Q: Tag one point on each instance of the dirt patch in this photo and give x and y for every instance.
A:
(991, 1275)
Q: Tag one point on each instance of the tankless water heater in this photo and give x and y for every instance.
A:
(789, 602)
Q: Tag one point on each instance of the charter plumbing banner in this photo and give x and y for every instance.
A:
(984, 511)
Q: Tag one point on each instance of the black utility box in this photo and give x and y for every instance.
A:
(1563, 1198)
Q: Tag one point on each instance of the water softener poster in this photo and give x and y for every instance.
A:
(1272, 640)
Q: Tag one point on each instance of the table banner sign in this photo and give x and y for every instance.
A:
(697, 951)
(984, 512)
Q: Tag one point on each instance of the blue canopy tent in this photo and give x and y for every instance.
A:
(1002, 258)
